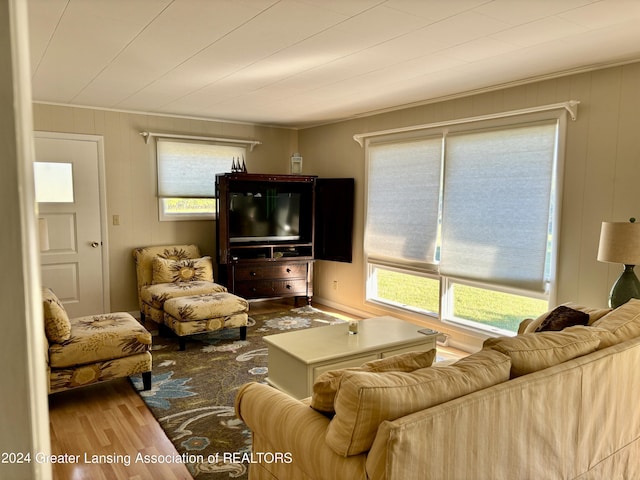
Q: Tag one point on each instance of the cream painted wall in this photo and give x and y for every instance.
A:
(601, 175)
(131, 179)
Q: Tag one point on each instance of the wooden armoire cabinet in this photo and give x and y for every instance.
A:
(268, 234)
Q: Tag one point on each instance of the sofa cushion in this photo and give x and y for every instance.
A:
(623, 322)
(326, 385)
(366, 399)
(594, 315)
(205, 306)
(98, 338)
(57, 326)
(156, 295)
(166, 270)
(531, 352)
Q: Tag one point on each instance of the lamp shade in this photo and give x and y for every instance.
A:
(620, 243)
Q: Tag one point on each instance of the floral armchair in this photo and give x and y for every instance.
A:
(85, 350)
(176, 289)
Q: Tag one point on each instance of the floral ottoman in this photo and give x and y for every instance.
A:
(205, 312)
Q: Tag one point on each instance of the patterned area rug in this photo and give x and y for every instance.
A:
(193, 391)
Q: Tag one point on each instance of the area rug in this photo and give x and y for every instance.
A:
(193, 391)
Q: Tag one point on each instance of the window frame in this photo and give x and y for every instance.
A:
(445, 315)
(164, 213)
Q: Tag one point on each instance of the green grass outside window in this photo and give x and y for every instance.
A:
(497, 309)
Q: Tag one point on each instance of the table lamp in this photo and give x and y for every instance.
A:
(620, 243)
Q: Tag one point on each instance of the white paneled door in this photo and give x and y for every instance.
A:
(68, 191)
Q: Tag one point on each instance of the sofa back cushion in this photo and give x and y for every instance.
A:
(57, 326)
(326, 385)
(366, 399)
(531, 352)
(623, 323)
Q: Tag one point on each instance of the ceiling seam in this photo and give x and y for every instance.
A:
(121, 50)
(46, 49)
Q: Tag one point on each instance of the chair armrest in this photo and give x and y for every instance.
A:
(290, 426)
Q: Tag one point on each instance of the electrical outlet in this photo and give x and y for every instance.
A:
(335, 284)
(116, 219)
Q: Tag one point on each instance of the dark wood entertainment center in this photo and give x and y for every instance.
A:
(267, 236)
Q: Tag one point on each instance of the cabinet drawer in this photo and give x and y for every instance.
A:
(270, 288)
(258, 272)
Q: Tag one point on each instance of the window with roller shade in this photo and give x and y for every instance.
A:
(460, 223)
(186, 176)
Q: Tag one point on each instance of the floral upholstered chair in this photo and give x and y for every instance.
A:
(86, 350)
(176, 289)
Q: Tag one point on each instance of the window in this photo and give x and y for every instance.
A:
(460, 223)
(53, 182)
(186, 176)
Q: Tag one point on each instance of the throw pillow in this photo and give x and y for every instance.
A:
(326, 385)
(594, 315)
(531, 352)
(623, 323)
(561, 318)
(186, 270)
(366, 399)
(57, 326)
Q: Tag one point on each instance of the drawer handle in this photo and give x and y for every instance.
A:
(288, 270)
(254, 289)
(288, 287)
(253, 274)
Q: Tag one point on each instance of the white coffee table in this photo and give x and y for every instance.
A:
(297, 358)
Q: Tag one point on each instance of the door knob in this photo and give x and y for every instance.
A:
(95, 244)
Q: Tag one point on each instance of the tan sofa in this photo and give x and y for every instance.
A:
(541, 405)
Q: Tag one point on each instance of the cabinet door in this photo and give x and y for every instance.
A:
(334, 219)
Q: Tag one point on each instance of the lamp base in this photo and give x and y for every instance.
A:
(626, 287)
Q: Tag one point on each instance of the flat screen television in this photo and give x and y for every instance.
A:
(268, 215)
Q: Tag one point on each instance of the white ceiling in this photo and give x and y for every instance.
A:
(303, 62)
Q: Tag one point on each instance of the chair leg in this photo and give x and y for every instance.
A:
(146, 380)
(141, 316)
(182, 344)
(243, 332)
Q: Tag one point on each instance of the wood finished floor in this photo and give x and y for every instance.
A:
(112, 419)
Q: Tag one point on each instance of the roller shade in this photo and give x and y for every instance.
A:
(188, 169)
(496, 205)
(402, 207)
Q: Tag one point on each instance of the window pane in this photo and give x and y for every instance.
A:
(53, 182)
(490, 308)
(405, 290)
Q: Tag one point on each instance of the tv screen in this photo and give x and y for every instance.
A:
(264, 216)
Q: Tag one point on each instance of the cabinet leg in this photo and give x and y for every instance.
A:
(243, 333)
